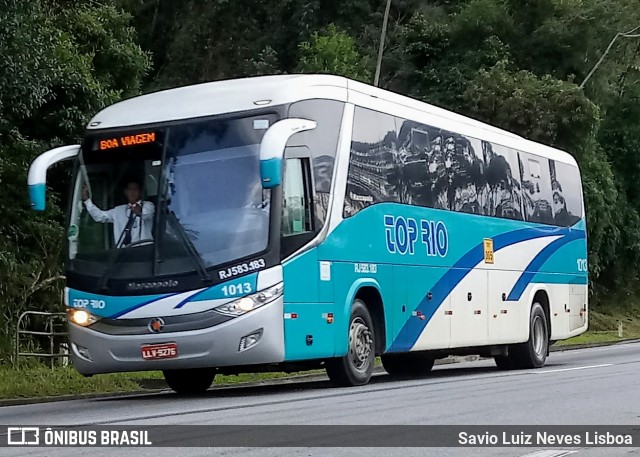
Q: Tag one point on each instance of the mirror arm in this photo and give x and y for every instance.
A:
(37, 179)
(272, 148)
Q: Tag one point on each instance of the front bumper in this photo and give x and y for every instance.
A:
(216, 346)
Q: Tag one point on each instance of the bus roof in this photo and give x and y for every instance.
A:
(245, 94)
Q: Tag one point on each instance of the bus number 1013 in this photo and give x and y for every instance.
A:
(237, 289)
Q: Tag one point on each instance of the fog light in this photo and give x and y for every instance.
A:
(250, 340)
(83, 352)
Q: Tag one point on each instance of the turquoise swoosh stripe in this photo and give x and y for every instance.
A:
(538, 261)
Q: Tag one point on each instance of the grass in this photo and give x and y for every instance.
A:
(41, 381)
(35, 380)
(592, 337)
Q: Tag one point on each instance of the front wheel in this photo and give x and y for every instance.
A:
(193, 381)
(355, 368)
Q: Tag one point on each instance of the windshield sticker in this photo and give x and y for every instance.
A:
(72, 233)
(260, 124)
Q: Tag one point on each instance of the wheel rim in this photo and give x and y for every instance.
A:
(539, 337)
(360, 344)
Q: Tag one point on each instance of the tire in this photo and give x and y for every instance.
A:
(190, 382)
(355, 368)
(412, 364)
(533, 353)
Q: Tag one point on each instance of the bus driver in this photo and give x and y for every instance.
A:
(132, 221)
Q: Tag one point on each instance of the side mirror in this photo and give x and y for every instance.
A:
(272, 148)
(37, 179)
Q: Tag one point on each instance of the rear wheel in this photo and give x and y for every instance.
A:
(190, 382)
(411, 364)
(533, 353)
(355, 368)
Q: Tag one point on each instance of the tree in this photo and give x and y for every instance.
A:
(333, 52)
(62, 63)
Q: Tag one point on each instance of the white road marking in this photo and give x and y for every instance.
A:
(550, 453)
(575, 368)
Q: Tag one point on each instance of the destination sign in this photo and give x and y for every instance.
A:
(126, 140)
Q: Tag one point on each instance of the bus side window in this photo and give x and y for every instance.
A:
(298, 227)
(567, 195)
(536, 189)
(322, 144)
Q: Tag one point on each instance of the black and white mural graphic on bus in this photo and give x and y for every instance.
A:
(374, 162)
(567, 206)
(403, 161)
(442, 169)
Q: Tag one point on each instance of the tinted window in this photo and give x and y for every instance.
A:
(468, 190)
(441, 169)
(323, 144)
(296, 214)
(419, 147)
(502, 174)
(373, 164)
(427, 166)
(536, 189)
(566, 193)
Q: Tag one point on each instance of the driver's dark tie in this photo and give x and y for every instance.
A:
(127, 229)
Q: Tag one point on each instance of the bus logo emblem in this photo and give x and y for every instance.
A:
(155, 325)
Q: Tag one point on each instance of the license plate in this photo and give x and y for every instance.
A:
(159, 351)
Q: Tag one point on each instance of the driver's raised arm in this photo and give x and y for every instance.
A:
(97, 214)
(148, 210)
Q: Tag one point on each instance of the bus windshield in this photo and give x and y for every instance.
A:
(163, 201)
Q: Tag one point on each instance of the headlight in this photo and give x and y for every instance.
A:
(250, 302)
(81, 317)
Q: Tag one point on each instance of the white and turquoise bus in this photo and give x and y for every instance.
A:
(294, 222)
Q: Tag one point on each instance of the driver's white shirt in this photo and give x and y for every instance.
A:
(119, 216)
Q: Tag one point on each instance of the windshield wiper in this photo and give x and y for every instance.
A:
(182, 235)
(188, 244)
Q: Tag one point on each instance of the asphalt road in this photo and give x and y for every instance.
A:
(593, 386)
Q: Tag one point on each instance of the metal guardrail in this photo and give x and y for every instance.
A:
(51, 330)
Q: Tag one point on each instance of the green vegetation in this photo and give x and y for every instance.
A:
(518, 65)
(61, 62)
(41, 381)
(592, 338)
(36, 381)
